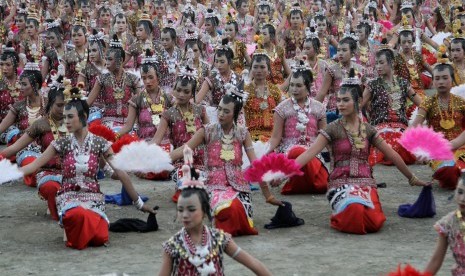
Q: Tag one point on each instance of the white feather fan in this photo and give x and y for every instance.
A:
(459, 91)
(142, 157)
(9, 171)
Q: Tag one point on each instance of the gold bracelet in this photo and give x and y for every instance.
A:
(421, 115)
(413, 180)
(117, 136)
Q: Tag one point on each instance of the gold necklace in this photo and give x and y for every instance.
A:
(57, 131)
(448, 122)
(357, 136)
(188, 117)
(363, 53)
(118, 89)
(14, 89)
(264, 96)
(227, 148)
(155, 109)
(33, 113)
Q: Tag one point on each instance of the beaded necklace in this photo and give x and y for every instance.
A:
(118, 89)
(264, 96)
(411, 66)
(302, 117)
(14, 89)
(393, 91)
(296, 37)
(447, 122)
(363, 50)
(200, 257)
(155, 109)
(57, 131)
(358, 136)
(227, 148)
(33, 113)
(188, 117)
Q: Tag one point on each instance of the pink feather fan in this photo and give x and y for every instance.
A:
(271, 167)
(425, 143)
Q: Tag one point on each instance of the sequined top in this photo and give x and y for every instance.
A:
(167, 67)
(216, 84)
(80, 165)
(292, 136)
(277, 66)
(349, 165)
(318, 72)
(74, 63)
(410, 72)
(178, 127)
(137, 51)
(433, 115)
(20, 110)
(203, 71)
(292, 41)
(7, 98)
(90, 74)
(41, 132)
(449, 227)
(388, 103)
(147, 128)
(53, 59)
(117, 108)
(222, 174)
(259, 111)
(337, 75)
(178, 249)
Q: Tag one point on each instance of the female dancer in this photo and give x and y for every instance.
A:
(352, 189)
(386, 101)
(54, 56)
(33, 48)
(184, 119)
(170, 56)
(293, 37)
(80, 203)
(43, 131)
(194, 57)
(444, 112)
(279, 67)
(199, 240)
(9, 83)
(231, 202)
(75, 59)
(240, 57)
(296, 123)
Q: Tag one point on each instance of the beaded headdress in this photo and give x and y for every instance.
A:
(234, 92)
(32, 14)
(349, 34)
(299, 66)
(57, 78)
(310, 33)
(54, 24)
(168, 23)
(79, 19)
(442, 57)
(406, 5)
(149, 57)
(211, 14)
(32, 66)
(73, 93)
(145, 16)
(116, 42)
(188, 8)
(265, 3)
(352, 79)
(259, 51)
(192, 35)
(223, 45)
(295, 7)
(371, 4)
(97, 36)
(117, 9)
(320, 14)
(22, 9)
(384, 46)
(405, 25)
(188, 71)
(188, 180)
(8, 48)
(231, 17)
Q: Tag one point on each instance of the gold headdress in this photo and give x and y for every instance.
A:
(32, 14)
(405, 25)
(456, 30)
(442, 57)
(79, 19)
(259, 51)
(145, 16)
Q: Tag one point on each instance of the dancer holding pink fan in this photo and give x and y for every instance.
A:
(352, 189)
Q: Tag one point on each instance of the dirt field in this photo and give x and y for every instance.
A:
(32, 244)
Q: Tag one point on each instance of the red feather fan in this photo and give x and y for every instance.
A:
(126, 139)
(272, 167)
(103, 131)
(408, 271)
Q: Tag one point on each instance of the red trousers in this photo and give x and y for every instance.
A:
(359, 219)
(447, 177)
(164, 175)
(313, 181)
(48, 191)
(234, 220)
(84, 228)
(29, 180)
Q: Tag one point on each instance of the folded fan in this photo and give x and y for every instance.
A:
(425, 143)
(271, 167)
(9, 171)
(142, 157)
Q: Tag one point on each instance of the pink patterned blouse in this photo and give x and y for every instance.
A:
(7, 98)
(349, 165)
(292, 136)
(220, 173)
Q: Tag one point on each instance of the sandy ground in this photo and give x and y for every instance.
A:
(32, 244)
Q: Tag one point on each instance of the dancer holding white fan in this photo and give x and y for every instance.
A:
(80, 203)
(352, 189)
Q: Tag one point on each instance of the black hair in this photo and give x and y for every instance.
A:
(299, 12)
(460, 41)
(351, 42)
(102, 10)
(57, 31)
(319, 17)
(238, 102)
(10, 55)
(148, 27)
(85, 2)
(271, 30)
(34, 77)
(22, 6)
(33, 20)
(375, 13)
(227, 52)
(234, 23)
(76, 29)
(355, 90)
(119, 15)
(145, 67)
(70, 2)
(406, 34)
(388, 53)
(191, 42)
(366, 27)
(260, 58)
(203, 198)
(213, 20)
(184, 82)
(445, 66)
(53, 94)
(190, 15)
(306, 75)
(170, 31)
(119, 51)
(314, 40)
(239, 3)
(100, 43)
(81, 106)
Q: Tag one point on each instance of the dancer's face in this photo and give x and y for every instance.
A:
(456, 51)
(94, 54)
(6, 67)
(230, 32)
(149, 79)
(297, 88)
(308, 49)
(260, 69)
(166, 41)
(57, 108)
(20, 22)
(406, 43)
(321, 26)
(79, 38)
(31, 29)
(221, 63)
(183, 93)
(382, 66)
(72, 121)
(26, 87)
(190, 211)
(344, 53)
(120, 24)
(460, 196)
(345, 103)
(442, 80)
(225, 113)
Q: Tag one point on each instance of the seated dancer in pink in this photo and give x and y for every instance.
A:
(181, 121)
(80, 203)
(296, 123)
(352, 189)
(230, 202)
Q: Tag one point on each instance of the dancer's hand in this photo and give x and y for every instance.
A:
(274, 201)
(146, 209)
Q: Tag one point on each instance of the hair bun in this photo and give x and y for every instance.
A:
(352, 73)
